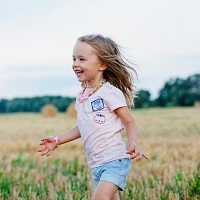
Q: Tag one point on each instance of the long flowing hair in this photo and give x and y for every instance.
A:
(119, 71)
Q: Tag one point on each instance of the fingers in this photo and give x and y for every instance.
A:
(138, 157)
(48, 146)
(136, 153)
(141, 154)
(45, 139)
(145, 156)
(42, 149)
(45, 151)
(49, 153)
(131, 148)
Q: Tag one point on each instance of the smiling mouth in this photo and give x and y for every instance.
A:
(78, 73)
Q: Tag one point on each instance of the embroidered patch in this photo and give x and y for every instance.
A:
(99, 118)
(97, 104)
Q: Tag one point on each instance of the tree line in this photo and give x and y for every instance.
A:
(34, 104)
(175, 92)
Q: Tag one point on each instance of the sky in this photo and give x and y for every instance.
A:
(37, 37)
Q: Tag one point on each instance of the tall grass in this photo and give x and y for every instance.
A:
(26, 179)
(169, 136)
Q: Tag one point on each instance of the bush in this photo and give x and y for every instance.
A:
(49, 110)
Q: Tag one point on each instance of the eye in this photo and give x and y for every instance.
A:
(82, 59)
(74, 59)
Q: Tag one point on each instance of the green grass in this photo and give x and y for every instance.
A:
(24, 178)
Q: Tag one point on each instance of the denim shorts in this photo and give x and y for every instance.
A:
(115, 172)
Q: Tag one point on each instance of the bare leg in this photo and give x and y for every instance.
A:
(105, 191)
(115, 196)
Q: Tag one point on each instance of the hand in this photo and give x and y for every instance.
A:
(134, 151)
(49, 145)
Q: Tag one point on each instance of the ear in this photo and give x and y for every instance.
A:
(102, 67)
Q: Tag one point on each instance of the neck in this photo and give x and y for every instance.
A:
(81, 98)
(95, 84)
(91, 86)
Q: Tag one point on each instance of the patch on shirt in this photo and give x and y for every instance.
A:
(99, 118)
(97, 104)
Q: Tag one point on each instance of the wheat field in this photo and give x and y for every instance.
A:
(169, 136)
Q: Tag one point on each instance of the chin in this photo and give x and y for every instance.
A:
(79, 80)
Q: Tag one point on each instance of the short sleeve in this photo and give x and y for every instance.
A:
(115, 99)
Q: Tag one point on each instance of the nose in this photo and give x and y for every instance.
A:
(75, 64)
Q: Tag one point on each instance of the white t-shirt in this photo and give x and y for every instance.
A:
(100, 127)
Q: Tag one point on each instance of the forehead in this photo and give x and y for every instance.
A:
(82, 48)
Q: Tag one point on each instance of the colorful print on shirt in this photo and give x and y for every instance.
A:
(99, 118)
(97, 104)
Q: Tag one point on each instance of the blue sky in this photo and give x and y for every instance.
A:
(37, 38)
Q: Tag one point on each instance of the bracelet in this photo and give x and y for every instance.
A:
(56, 138)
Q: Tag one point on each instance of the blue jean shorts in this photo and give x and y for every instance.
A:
(115, 172)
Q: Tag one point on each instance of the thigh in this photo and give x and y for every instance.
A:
(105, 191)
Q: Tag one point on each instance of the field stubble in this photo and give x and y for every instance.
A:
(170, 137)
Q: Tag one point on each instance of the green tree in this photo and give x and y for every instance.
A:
(180, 92)
(3, 103)
(143, 99)
(34, 104)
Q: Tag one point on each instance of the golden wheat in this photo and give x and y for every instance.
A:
(170, 137)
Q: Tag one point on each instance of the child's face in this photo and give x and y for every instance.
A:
(86, 65)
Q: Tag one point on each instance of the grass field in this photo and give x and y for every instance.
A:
(170, 137)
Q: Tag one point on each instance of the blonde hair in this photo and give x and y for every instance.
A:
(118, 69)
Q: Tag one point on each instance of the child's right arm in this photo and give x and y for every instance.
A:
(49, 143)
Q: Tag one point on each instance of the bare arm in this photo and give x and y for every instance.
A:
(69, 135)
(49, 144)
(132, 133)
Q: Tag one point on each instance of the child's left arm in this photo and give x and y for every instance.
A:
(132, 132)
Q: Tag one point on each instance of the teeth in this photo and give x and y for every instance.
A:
(79, 72)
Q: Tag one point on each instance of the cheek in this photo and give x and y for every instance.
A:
(95, 61)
